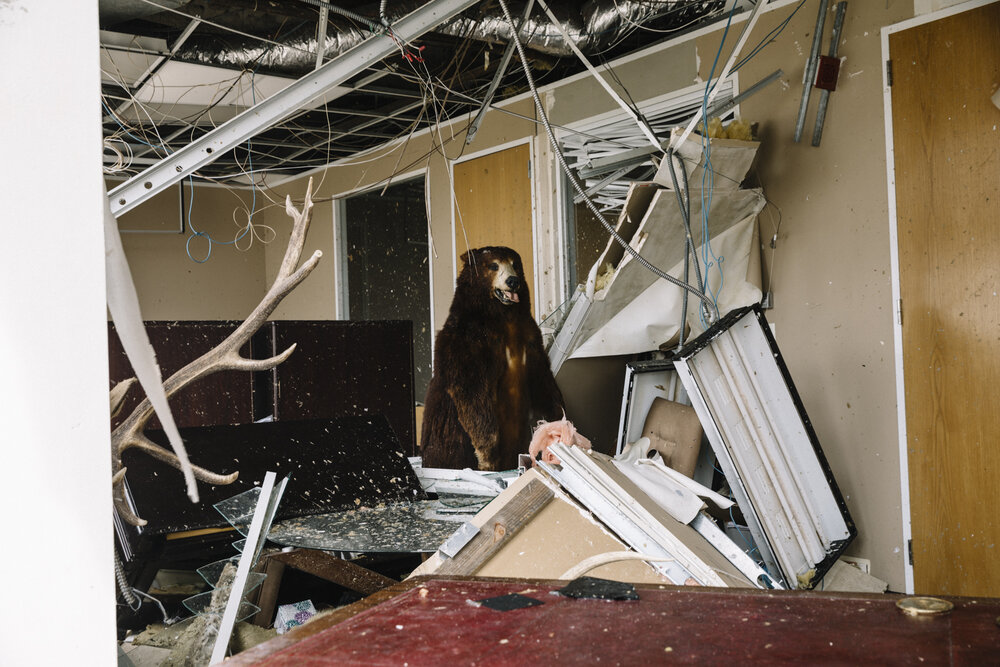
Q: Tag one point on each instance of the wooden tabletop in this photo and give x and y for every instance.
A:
(433, 620)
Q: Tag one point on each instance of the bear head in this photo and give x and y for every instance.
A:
(495, 272)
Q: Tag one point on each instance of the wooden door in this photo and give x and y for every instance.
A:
(946, 135)
(493, 205)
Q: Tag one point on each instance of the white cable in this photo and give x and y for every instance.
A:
(588, 564)
(643, 125)
(166, 619)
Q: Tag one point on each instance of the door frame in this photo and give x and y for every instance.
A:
(897, 324)
(532, 172)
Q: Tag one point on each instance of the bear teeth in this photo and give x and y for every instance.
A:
(507, 296)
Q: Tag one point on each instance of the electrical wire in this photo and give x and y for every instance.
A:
(576, 185)
(374, 26)
(708, 183)
(250, 229)
(684, 203)
(123, 586)
(166, 619)
(123, 158)
(128, 132)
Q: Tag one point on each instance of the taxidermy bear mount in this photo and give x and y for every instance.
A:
(492, 379)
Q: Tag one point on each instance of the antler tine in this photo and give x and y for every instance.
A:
(263, 364)
(142, 443)
(118, 393)
(299, 229)
(225, 356)
(124, 511)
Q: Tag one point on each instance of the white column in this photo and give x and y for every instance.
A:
(56, 555)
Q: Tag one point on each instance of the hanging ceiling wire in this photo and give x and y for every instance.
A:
(708, 303)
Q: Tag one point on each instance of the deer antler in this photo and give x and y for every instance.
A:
(225, 356)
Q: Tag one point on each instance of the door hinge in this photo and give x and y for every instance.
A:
(888, 72)
(909, 550)
(899, 311)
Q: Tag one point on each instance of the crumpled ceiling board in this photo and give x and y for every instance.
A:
(174, 69)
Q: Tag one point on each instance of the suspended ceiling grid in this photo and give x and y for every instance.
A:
(175, 69)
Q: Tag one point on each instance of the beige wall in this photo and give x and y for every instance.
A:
(829, 272)
(173, 287)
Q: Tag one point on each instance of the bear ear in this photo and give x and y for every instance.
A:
(469, 256)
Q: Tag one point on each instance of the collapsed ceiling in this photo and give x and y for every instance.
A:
(172, 70)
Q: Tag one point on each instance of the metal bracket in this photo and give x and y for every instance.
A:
(824, 94)
(810, 72)
(459, 539)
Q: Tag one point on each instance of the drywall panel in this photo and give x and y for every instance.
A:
(829, 271)
(559, 537)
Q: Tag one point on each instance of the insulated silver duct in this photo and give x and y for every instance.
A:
(595, 27)
(115, 11)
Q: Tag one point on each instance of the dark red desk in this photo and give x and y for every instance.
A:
(428, 621)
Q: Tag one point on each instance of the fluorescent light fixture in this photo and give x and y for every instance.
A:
(690, 555)
(645, 381)
(766, 446)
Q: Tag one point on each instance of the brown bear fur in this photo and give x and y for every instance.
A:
(492, 379)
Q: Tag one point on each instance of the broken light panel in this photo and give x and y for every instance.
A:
(766, 446)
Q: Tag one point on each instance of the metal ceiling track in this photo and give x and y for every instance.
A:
(274, 109)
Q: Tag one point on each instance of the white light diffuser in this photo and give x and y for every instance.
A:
(766, 447)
